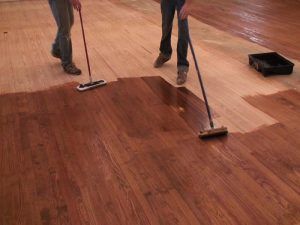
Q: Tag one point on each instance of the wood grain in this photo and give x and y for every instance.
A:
(119, 46)
(272, 23)
(128, 153)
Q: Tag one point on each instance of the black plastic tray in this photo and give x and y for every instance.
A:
(271, 63)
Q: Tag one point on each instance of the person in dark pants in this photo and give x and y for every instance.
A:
(62, 11)
(168, 8)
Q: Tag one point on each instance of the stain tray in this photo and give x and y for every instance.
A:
(271, 63)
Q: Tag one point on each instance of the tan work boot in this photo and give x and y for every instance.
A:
(161, 59)
(182, 75)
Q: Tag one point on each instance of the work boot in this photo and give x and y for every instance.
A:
(72, 69)
(161, 59)
(182, 75)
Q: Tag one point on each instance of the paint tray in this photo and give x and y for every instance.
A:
(271, 63)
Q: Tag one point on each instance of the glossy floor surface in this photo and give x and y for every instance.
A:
(128, 153)
(274, 24)
(93, 158)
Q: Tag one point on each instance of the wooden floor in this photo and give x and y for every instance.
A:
(274, 24)
(120, 47)
(128, 153)
(92, 158)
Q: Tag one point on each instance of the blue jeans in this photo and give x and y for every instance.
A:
(168, 8)
(63, 13)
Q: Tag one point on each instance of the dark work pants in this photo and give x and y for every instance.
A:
(168, 8)
(63, 13)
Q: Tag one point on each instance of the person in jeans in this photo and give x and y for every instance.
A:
(168, 8)
(62, 11)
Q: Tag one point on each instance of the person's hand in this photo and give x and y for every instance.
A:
(76, 4)
(185, 11)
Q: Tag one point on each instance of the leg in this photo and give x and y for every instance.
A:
(71, 22)
(182, 47)
(167, 11)
(182, 44)
(55, 47)
(63, 13)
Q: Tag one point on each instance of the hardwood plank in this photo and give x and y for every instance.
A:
(128, 153)
(273, 23)
(126, 51)
(125, 154)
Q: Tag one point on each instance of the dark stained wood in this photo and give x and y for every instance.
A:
(128, 153)
(274, 24)
(283, 137)
(184, 102)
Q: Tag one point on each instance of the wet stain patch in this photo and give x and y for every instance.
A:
(107, 154)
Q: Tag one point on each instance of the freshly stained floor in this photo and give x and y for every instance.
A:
(128, 153)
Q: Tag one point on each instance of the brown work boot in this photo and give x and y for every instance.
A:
(72, 69)
(182, 75)
(161, 59)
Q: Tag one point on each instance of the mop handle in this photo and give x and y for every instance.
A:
(86, 52)
(199, 75)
